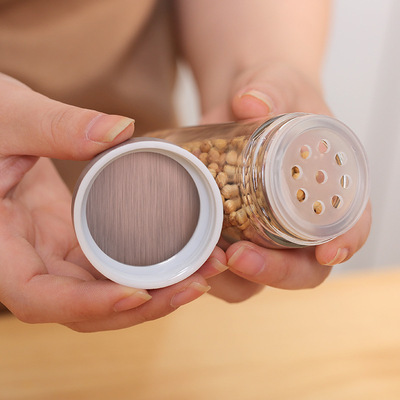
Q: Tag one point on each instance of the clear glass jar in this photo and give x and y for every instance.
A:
(149, 212)
(293, 180)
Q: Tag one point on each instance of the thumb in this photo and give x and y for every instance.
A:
(274, 90)
(32, 124)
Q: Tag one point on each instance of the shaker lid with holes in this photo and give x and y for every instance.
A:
(147, 213)
(316, 177)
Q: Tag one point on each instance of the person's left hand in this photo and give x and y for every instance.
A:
(44, 275)
(265, 92)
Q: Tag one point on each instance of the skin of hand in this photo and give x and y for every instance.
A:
(265, 92)
(44, 276)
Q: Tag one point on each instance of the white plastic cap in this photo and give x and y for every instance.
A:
(186, 261)
(316, 177)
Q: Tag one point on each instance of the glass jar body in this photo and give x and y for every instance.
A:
(258, 168)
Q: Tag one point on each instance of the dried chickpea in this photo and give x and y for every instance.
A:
(220, 144)
(214, 166)
(232, 205)
(231, 157)
(205, 146)
(222, 160)
(232, 218)
(213, 172)
(203, 158)
(213, 155)
(230, 171)
(221, 179)
(241, 216)
(238, 142)
(196, 152)
(230, 191)
(245, 225)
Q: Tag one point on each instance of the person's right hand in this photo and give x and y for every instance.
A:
(266, 91)
(44, 276)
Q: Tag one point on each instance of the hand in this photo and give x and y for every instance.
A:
(44, 276)
(262, 92)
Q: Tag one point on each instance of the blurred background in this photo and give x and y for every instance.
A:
(362, 86)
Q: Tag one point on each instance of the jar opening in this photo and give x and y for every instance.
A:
(142, 208)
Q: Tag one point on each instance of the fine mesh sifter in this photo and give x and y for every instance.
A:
(149, 212)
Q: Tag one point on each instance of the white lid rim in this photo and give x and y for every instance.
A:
(191, 257)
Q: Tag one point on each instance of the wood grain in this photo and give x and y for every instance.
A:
(338, 341)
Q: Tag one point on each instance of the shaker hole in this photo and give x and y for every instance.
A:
(301, 195)
(296, 172)
(336, 201)
(321, 176)
(323, 146)
(318, 207)
(305, 152)
(345, 181)
(340, 158)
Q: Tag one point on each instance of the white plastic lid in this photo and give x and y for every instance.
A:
(180, 265)
(316, 177)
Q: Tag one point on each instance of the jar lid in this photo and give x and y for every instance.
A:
(317, 177)
(147, 213)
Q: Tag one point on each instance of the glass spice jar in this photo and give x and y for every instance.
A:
(291, 181)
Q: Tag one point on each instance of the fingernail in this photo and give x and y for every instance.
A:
(106, 128)
(340, 256)
(247, 261)
(190, 293)
(215, 263)
(133, 299)
(212, 267)
(265, 102)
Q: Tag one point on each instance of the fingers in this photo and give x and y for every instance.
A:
(70, 299)
(284, 269)
(74, 298)
(251, 266)
(233, 288)
(32, 124)
(35, 296)
(12, 170)
(345, 246)
(275, 89)
(224, 284)
(215, 264)
(163, 302)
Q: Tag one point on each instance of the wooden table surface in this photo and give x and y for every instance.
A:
(338, 341)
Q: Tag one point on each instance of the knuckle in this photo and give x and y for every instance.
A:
(61, 129)
(54, 122)
(12, 170)
(282, 275)
(275, 78)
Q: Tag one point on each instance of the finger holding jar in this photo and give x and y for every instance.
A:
(269, 91)
(251, 266)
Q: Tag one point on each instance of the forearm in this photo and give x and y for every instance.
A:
(220, 39)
